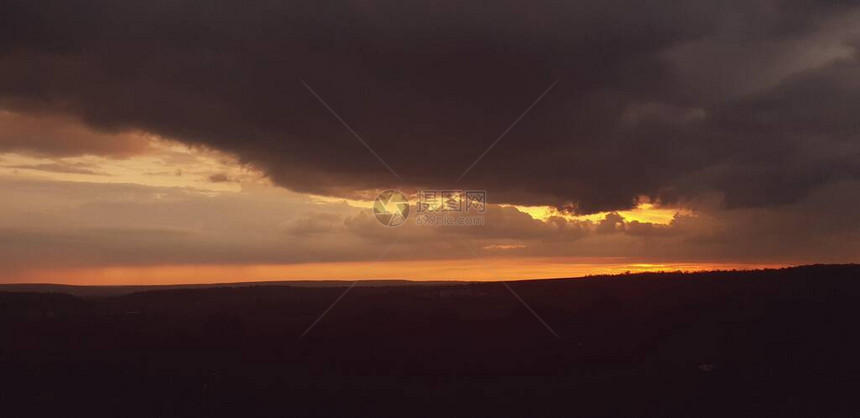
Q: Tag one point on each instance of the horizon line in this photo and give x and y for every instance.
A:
(347, 282)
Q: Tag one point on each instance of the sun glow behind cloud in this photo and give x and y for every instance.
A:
(644, 211)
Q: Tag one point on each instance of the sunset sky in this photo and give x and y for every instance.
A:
(146, 142)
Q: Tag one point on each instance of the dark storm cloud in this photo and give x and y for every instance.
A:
(752, 99)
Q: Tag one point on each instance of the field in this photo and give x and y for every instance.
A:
(760, 343)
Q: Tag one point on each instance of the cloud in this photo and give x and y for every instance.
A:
(613, 222)
(64, 224)
(60, 136)
(219, 178)
(667, 100)
(314, 223)
(58, 167)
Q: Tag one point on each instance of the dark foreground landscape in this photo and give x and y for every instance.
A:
(767, 343)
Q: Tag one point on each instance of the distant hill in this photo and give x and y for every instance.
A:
(96, 290)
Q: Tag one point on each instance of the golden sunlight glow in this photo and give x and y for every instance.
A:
(468, 269)
(643, 212)
(353, 203)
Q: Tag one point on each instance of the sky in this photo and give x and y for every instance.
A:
(195, 142)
